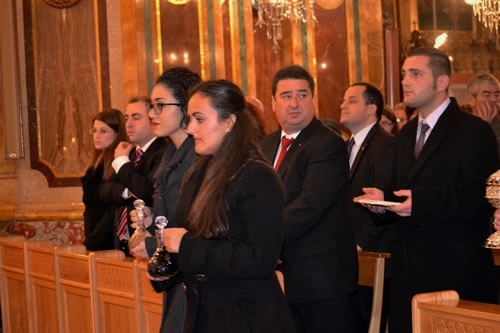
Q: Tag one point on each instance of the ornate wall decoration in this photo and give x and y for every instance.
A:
(67, 84)
(61, 3)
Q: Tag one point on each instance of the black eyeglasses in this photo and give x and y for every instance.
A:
(157, 108)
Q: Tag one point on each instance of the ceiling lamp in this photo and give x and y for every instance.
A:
(272, 13)
(487, 11)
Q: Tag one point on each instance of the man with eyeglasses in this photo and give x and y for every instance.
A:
(134, 164)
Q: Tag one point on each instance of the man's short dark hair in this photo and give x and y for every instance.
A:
(439, 62)
(372, 95)
(293, 72)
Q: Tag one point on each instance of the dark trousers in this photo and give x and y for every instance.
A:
(324, 316)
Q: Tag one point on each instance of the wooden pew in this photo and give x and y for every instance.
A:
(16, 314)
(73, 286)
(41, 284)
(443, 311)
(149, 301)
(114, 288)
(371, 266)
(496, 256)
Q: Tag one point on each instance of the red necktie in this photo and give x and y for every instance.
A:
(138, 156)
(122, 227)
(285, 143)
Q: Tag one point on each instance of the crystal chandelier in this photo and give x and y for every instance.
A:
(487, 11)
(272, 13)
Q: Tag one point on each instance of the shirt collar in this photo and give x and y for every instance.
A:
(146, 146)
(433, 118)
(289, 136)
(361, 135)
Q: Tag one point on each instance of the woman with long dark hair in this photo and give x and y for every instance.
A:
(169, 119)
(107, 131)
(230, 220)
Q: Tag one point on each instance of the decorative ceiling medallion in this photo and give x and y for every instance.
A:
(61, 3)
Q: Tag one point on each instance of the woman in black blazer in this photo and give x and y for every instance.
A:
(98, 217)
(230, 218)
(169, 119)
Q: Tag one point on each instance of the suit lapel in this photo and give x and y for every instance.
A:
(435, 139)
(296, 146)
(362, 149)
(270, 148)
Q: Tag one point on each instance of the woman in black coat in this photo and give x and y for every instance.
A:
(98, 217)
(230, 221)
(169, 119)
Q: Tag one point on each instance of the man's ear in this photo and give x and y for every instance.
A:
(469, 99)
(442, 82)
(371, 109)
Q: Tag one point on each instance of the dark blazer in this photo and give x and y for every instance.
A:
(319, 255)
(168, 181)
(439, 246)
(98, 216)
(168, 178)
(372, 167)
(231, 284)
(139, 181)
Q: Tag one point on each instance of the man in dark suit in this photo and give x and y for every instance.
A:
(319, 260)
(134, 175)
(444, 217)
(371, 160)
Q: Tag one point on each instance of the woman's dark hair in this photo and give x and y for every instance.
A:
(179, 80)
(208, 213)
(116, 121)
(389, 114)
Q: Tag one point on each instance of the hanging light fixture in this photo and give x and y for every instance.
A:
(272, 13)
(487, 11)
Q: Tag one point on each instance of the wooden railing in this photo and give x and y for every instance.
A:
(52, 289)
(443, 311)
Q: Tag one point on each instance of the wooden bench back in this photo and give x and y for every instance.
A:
(443, 311)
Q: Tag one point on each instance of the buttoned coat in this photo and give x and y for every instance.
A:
(319, 255)
(230, 282)
(439, 246)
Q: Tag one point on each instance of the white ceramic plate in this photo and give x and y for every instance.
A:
(379, 203)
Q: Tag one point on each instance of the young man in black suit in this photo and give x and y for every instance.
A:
(371, 160)
(319, 260)
(134, 176)
(443, 219)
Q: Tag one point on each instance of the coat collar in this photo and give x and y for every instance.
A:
(296, 146)
(438, 135)
(364, 145)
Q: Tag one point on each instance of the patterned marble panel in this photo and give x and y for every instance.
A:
(62, 233)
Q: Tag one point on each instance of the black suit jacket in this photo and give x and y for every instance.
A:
(139, 181)
(319, 254)
(372, 167)
(168, 181)
(440, 245)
